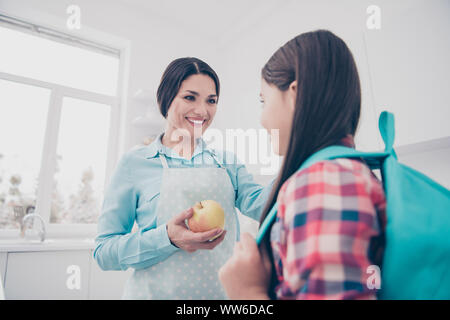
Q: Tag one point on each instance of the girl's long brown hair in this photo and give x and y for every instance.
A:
(327, 106)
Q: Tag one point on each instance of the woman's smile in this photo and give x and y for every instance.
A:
(196, 121)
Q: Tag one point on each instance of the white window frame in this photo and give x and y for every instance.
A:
(116, 141)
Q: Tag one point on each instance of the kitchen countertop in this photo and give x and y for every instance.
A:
(24, 245)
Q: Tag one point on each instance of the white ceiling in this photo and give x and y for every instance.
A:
(199, 14)
(207, 18)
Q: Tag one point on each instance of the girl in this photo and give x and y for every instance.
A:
(329, 225)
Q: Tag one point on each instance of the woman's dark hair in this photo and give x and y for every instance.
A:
(178, 71)
(327, 105)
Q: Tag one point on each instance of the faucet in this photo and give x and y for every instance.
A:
(41, 232)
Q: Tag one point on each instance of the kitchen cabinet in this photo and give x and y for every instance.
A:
(58, 273)
(106, 285)
(3, 257)
(47, 275)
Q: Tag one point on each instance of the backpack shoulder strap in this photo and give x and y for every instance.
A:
(334, 152)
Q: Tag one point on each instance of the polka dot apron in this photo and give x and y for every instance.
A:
(187, 275)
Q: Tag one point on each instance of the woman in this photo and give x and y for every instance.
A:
(154, 185)
(329, 224)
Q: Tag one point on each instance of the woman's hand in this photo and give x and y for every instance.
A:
(246, 274)
(190, 241)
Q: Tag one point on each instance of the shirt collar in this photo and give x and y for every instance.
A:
(156, 148)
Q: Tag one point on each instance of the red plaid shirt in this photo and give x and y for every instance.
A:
(328, 231)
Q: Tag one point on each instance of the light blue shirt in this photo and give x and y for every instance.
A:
(133, 194)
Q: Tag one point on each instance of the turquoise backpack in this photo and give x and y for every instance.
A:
(416, 263)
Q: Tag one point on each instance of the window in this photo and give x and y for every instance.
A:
(55, 62)
(58, 125)
(80, 163)
(23, 117)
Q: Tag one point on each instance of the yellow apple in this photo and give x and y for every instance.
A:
(208, 214)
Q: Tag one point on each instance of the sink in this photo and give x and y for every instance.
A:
(21, 241)
(48, 244)
(24, 241)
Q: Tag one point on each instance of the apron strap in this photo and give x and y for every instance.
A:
(163, 159)
(214, 156)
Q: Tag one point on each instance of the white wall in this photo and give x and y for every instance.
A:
(247, 55)
(403, 67)
(432, 158)
(409, 68)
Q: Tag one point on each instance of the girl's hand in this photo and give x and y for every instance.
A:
(246, 274)
(183, 238)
